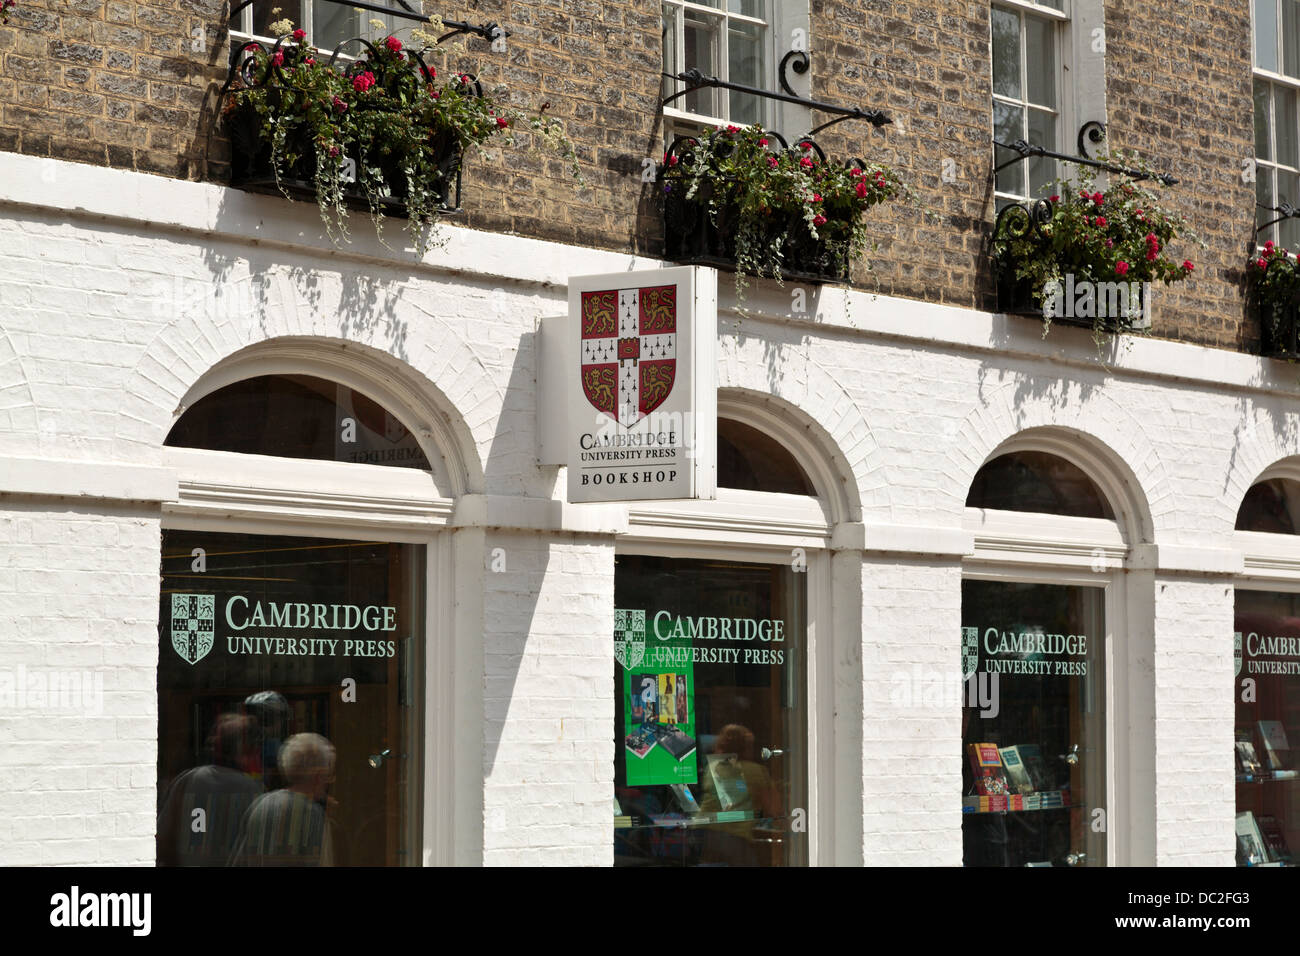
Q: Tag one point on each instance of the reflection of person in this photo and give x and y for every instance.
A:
(288, 827)
(733, 759)
(271, 711)
(200, 815)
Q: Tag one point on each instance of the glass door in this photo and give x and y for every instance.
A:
(1033, 725)
(288, 701)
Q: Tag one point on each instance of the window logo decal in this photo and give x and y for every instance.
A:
(193, 618)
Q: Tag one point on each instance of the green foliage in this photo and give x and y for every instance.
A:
(403, 124)
(1119, 235)
(779, 200)
(1273, 277)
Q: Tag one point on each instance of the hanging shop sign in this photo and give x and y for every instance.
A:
(629, 386)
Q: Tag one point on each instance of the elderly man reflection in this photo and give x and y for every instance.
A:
(288, 827)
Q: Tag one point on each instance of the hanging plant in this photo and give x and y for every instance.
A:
(1087, 256)
(1273, 279)
(385, 127)
(742, 198)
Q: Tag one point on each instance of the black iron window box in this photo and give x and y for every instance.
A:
(1279, 326)
(1020, 297)
(251, 167)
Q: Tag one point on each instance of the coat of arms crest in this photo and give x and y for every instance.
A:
(629, 637)
(193, 617)
(970, 651)
(629, 350)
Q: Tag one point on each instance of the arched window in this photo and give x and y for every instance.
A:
(293, 623)
(1266, 632)
(717, 706)
(1038, 482)
(1041, 596)
(298, 416)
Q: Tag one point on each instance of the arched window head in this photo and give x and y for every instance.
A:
(750, 460)
(1272, 505)
(1039, 482)
(298, 416)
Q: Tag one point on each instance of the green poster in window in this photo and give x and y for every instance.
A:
(658, 703)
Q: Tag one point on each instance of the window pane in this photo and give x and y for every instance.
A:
(1266, 34)
(1267, 732)
(1006, 53)
(748, 8)
(1042, 132)
(263, 17)
(1054, 4)
(1034, 756)
(1264, 197)
(1040, 62)
(1291, 37)
(1039, 482)
(297, 416)
(1008, 126)
(711, 754)
(753, 461)
(251, 655)
(672, 61)
(745, 65)
(701, 52)
(1271, 506)
(1263, 146)
(1284, 115)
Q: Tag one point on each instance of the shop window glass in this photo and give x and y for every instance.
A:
(288, 701)
(298, 416)
(750, 460)
(1033, 725)
(711, 764)
(1271, 506)
(1038, 482)
(1266, 690)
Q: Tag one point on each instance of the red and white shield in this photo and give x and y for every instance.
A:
(629, 350)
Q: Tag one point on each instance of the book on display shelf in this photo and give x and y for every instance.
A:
(986, 766)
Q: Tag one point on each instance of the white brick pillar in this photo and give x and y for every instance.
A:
(911, 742)
(1195, 796)
(548, 672)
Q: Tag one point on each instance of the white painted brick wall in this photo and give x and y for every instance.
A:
(78, 602)
(548, 653)
(104, 329)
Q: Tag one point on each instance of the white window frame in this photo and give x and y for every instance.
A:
(228, 492)
(1033, 548)
(784, 18)
(1064, 108)
(765, 528)
(243, 31)
(1272, 80)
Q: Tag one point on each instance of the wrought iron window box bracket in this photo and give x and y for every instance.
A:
(1021, 219)
(1279, 322)
(692, 237)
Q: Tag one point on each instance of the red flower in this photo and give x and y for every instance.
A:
(1110, 244)
(300, 35)
(762, 142)
(1262, 262)
(819, 220)
(1268, 247)
(817, 197)
(464, 78)
(340, 105)
(805, 162)
(1053, 198)
(1101, 221)
(805, 146)
(1187, 264)
(393, 44)
(733, 129)
(1098, 198)
(363, 81)
(771, 162)
(310, 61)
(855, 172)
(502, 123)
(1152, 255)
(278, 59)
(1121, 268)
(334, 150)
(861, 189)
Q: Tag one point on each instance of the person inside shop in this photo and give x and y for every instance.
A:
(288, 827)
(202, 809)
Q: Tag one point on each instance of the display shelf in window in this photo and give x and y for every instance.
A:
(1017, 802)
